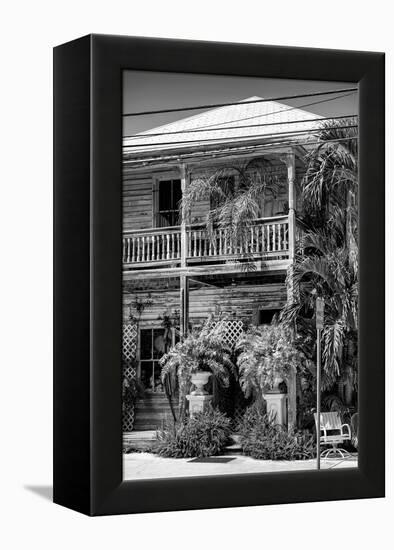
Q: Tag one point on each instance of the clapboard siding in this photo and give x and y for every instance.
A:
(138, 198)
(137, 202)
(243, 301)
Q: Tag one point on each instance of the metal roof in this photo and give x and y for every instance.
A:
(226, 125)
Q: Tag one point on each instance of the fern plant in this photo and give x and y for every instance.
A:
(203, 349)
(267, 353)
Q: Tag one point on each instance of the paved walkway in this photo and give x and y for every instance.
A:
(150, 466)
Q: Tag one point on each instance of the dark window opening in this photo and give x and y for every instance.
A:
(265, 316)
(169, 196)
(152, 348)
(154, 343)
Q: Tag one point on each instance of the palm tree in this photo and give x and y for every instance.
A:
(234, 207)
(327, 260)
(330, 185)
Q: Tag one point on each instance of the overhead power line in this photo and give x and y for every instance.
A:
(233, 152)
(250, 136)
(326, 100)
(197, 130)
(216, 105)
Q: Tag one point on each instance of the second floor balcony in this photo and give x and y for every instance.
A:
(266, 239)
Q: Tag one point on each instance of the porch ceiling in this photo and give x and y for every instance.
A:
(198, 282)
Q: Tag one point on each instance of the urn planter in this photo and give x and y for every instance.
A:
(199, 379)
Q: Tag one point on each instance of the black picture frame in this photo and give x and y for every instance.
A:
(87, 274)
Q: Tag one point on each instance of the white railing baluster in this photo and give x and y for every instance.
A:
(168, 245)
(268, 236)
(125, 250)
(153, 248)
(256, 228)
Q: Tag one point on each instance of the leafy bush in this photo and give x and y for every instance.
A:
(206, 434)
(262, 438)
(267, 353)
(132, 389)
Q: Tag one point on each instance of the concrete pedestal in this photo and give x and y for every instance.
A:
(276, 406)
(198, 403)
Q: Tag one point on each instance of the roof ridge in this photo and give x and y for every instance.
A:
(191, 117)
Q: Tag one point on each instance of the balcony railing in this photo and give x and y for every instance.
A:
(266, 238)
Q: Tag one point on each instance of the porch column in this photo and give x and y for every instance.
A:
(184, 183)
(290, 163)
(184, 284)
(291, 381)
(184, 304)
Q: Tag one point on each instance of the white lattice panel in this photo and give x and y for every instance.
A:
(129, 342)
(129, 349)
(234, 329)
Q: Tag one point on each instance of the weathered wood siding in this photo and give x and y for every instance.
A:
(137, 201)
(243, 301)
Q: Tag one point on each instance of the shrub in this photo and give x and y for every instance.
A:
(262, 438)
(206, 434)
(253, 415)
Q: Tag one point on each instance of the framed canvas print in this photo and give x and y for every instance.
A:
(219, 275)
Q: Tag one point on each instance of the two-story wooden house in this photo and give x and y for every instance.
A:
(171, 265)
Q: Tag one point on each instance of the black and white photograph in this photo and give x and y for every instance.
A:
(196, 294)
(239, 275)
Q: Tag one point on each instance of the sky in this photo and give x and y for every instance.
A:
(146, 90)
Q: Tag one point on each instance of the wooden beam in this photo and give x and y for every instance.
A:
(198, 271)
(290, 163)
(184, 182)
(292, 379)
(184, 304)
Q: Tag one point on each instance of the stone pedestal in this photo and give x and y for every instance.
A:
(276, 406)
(198, 403)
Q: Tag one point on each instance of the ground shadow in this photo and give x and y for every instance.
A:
(44, 491)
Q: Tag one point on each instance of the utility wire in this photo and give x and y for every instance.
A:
(234, 151)
(256, 136)
(191, 131)
(279, 110)
(216, 105)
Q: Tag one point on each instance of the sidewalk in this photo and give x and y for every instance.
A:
(150, 466)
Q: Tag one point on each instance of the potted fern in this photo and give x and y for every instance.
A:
(201, 354)
(267, 356)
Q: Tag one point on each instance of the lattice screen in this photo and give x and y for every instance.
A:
(234, 331)
(129, 349)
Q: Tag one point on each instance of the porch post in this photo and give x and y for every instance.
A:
(184, 284)
(290, 163)
(184, 304)
(291, 382)
(184, 182)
